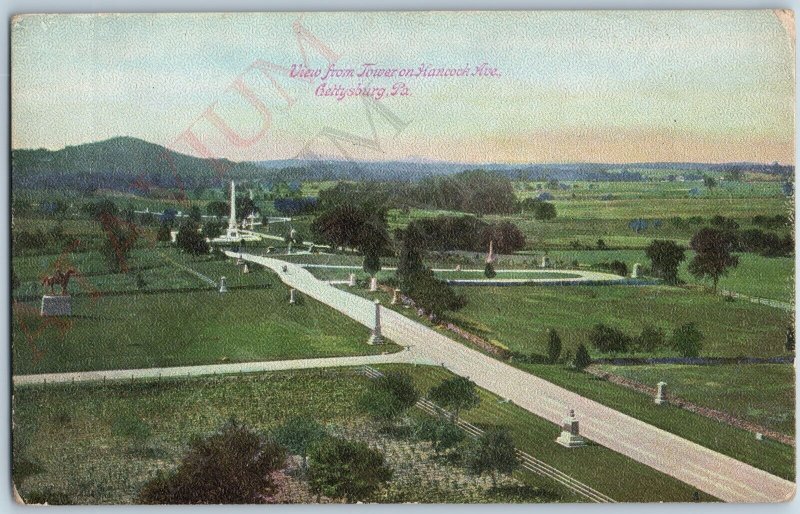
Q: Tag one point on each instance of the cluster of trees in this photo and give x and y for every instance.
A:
(687, 340)
(296, 206)
(444, 233)
(540, 209)
(245, 206)
(475, 191)
(418, 281)
(236, 465)
(356, 225)
(665, 258)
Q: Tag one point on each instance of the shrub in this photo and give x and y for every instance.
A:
(346, 469)
(582, 358)
(609, 339)
(650, 339)
(233, 465)
(553, 346)
(687, 340)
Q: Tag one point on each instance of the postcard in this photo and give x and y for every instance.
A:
(403, 257)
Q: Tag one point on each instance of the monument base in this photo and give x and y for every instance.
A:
(661, 401)
(569, 440)
(60, 305)
(375, 339)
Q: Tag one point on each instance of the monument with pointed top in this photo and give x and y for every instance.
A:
(233, 234)
(491, 257)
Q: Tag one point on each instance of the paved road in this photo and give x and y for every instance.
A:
(403, 356)
(707, 470)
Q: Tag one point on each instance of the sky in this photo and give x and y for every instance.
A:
(568, 86)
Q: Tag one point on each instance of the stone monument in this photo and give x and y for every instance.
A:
(545, 262)
(373, 284)
(458, 267)
(245, 269)
(570, 437)
(376, 337)
(637, 270)
(396, 297)
(491, 258)
(57, 304)
(292, 296)
(661, 394)
(351, 281)
(223, 288)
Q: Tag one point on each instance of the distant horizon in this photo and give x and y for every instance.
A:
(414, 159)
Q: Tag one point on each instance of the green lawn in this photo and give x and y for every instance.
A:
(185, 328)
(630, 480)
(760, 393)
(519, 317)
(68, 432)
(771, 456)
(77, 428)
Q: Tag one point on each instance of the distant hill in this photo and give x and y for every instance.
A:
(121, 163)
(130, 164)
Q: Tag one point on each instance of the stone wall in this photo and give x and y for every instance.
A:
(714, 414)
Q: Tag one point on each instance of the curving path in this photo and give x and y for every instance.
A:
(716, 474)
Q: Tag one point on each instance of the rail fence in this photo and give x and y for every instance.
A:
(527, 461)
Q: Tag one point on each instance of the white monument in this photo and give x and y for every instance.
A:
(234, 234)
(545, 262)
(376, 337)
(223, 288)
(570, 438)
(292, 296)
(352, 280)
(661, 394)
(245, 269)
(396, 297)
(491, 257)
(373, 284)
(637, 270)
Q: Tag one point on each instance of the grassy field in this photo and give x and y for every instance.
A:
(138, 329)
(519, 317)
(537, 437)
(771, 456)
(82, 428)
(763, 394)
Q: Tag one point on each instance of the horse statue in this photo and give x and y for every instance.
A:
(59, 278)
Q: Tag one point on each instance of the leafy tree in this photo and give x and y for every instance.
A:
(233, 465)
(346, 469)
(190, 240)
(163, 234)
(601, 245)
(609, 339)
(493, 453)
(489, 271)
(650, 339)
(401, 386)
(553, 346)
(380, 405)
(687, 340)
(709, 182)
(431, 294)
(582, 358)
(409, 262)
(120, 239)
(442, 434)
(195, 215)
(455, 394)
(212, 229)
(712, 254)
(665, 257)
(298, 434)
(541, 209)
(219, 209)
